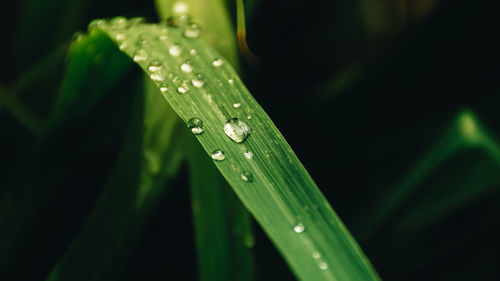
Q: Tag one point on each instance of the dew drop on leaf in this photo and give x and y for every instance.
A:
(140, 55)
(154, 66)
(237, 130)
(157, 76)
(323, 266)
(299, 228)
(175, 50)
(218, 155)
(248, 155)
(199, 81)
(236, 105)
(192, 31)
(187, 67)
(246, 176)
(195, 125)
(218, 62)
(119, 23)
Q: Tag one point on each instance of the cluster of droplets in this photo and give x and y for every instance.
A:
(299, 228)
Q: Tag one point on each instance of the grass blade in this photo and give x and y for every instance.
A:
(273, 184)
(223, 227)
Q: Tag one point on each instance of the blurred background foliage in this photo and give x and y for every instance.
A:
(392, 106)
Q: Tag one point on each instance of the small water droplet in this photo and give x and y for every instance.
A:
(316, 255)
(192, 31)
(120, 37)
(248, 155)
(163, 37)
(163, 88)
(140, 55)
(195, 125)
(97, 23)
(192, 52)
(182, 89)
(236, 105)
(187, 67)
(123, 45)
(136, 21)
(246, 176)
(141, 40)
(157, 76)
(237, 130)
(155, 66)
(299, 228)
(199, 81)
(218, 62)
(175, 50)
(323, 266)
(230, 81)
(249, 117)
(119, 23)
(218, 155)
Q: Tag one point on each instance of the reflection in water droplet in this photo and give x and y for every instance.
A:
(140, 55)
(192, 31)
(248, 155)
(236, 105)
(323, 266)
(187, 67)
(175, 50)
(237, 130)
(154, 66)
(299, 228)
(218, 155)
(218, 62)
(246, 176)
(195, 125)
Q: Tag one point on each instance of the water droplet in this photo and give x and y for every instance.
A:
(248, 155)
(192, 52)
(323, 266)
(237, 130)
(218, 62)
(141, 40)
(192, 31)
(218, 155)
(199, 81)
(155, 66)
(97, 23)
(180, 8)
(246, 176)
(299, 228)
(157, 76)
(175, 50)
(136, 21)
(230, 81)
(316, 255)
(236, 105)
(249, 117)
(163, 37)
(187, 67)
(163, 88)
(119, 23)
(140, 55)
(182, 89)
(120, 37)
(195, 125)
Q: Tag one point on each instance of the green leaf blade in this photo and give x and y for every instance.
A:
(282, 195)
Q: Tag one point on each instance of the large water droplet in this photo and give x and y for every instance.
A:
(187, 67)
(192, 31)
(218, 155)
(299, 228)
(237, 130)
(246, 176)
(195, 125)
(218, 62)
(140, 55)
(248, 155)
(155, 66)
(175, 50)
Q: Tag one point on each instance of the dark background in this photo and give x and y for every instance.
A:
(367, 92)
